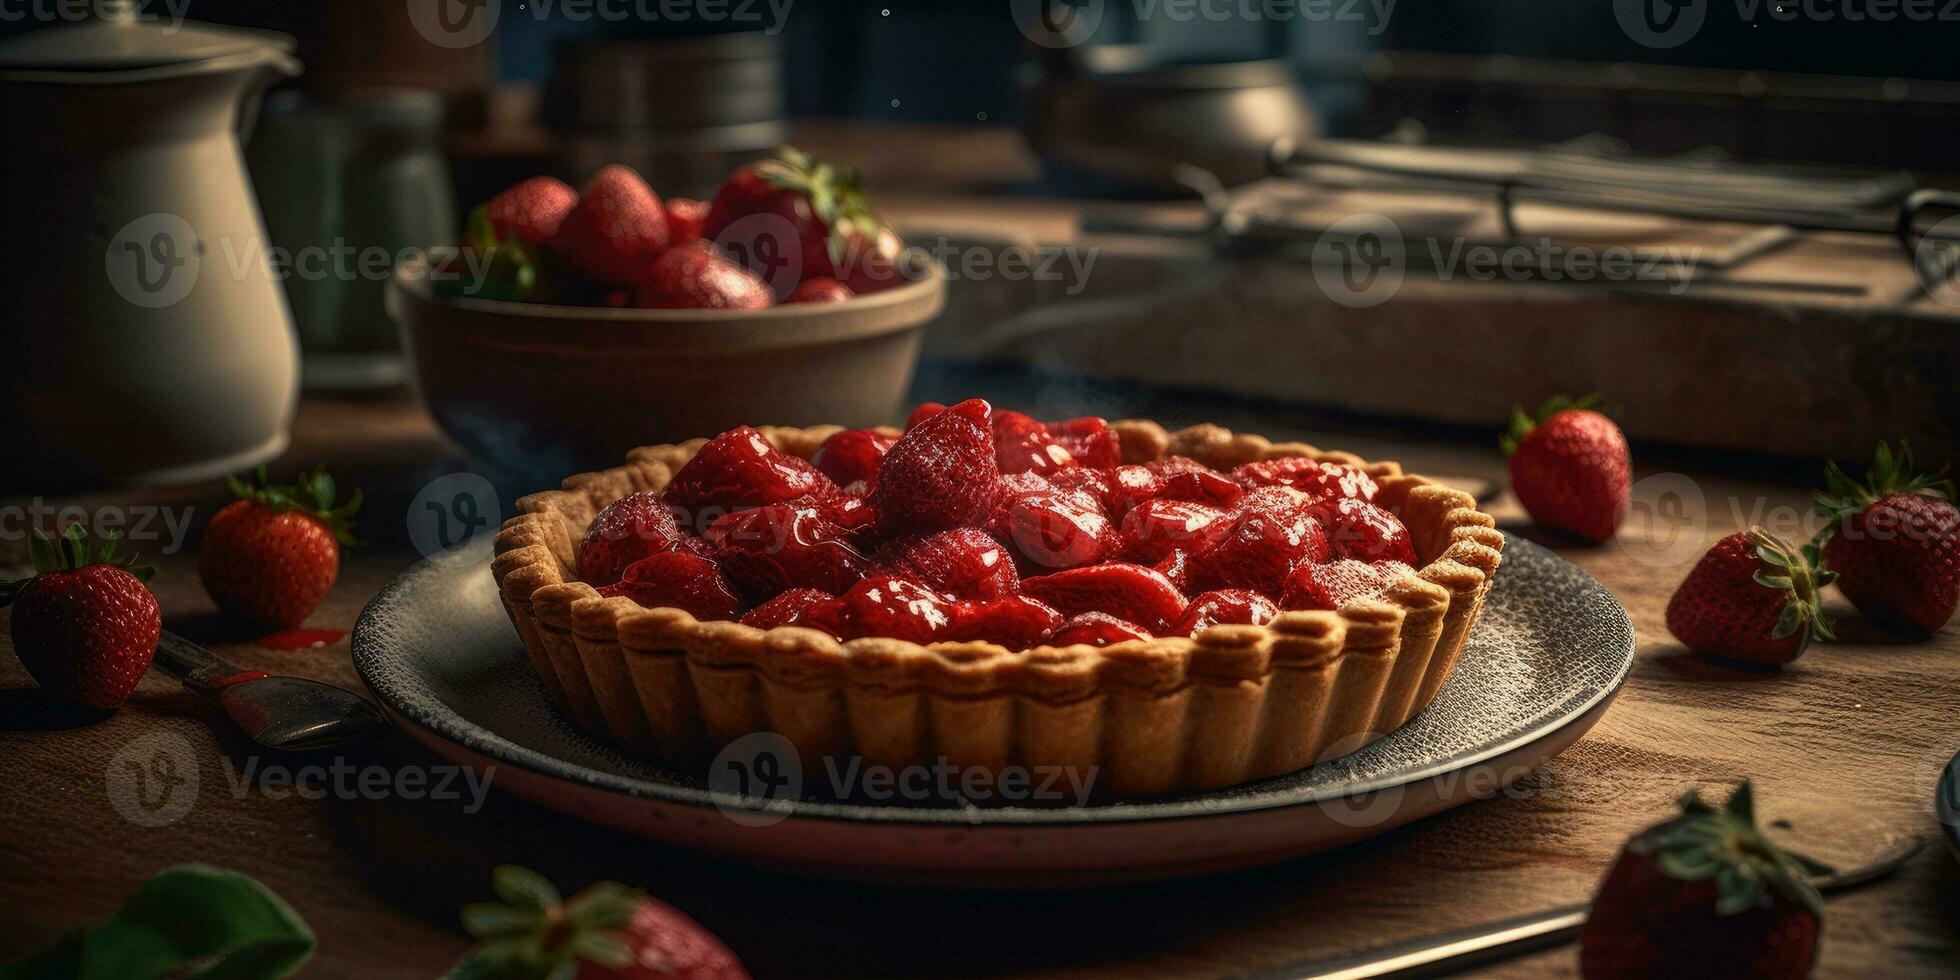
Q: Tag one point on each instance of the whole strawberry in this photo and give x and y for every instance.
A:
(84, 625)
(606, 932)
(1894, 542)
(1705, 894)
(273, 554)
(1752, 597)
(1570, 468)
(531, 210)
(615, 230)
(699, 276)
(792, 218)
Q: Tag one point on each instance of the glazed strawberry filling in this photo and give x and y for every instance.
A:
(976, 524)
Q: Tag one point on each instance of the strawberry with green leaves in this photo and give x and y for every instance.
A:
(1705, 894)
(1570, 467)
(606, 932)
(1894, 542)
(84, 625)
(273, 554)
(792, 218)
(1753, 597)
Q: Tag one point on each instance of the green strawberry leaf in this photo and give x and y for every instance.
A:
(190, 922)
(312, 494)
(1732, 851)
(524, 888)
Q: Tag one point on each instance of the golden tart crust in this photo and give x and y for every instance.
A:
(1172, 714)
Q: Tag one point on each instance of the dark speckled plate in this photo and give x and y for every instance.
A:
(1547, 655)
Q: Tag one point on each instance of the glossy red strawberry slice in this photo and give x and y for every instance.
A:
(1015, 484)
(784, 546)
(615, 230)
(1013, 621)
(964, 563)
(924, 411)
(1158, 527)
(1201, 486)
(680, 579)
(1176, 566)
(811, 608)
(852, 456)
(1095, 483)
(1023, 445)
(1129, 486)
(1134, 592)
(850, 511)
(1274, 531)
(629, 529)
(1312, 477)
(1360, 530)
(896, 607)
(739, 469)
(1058, 529)
(940, 474)
(1097, 630)
(1221, 607)
(1334, 584)
(1090, 440)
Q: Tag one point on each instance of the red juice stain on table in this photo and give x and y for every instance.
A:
(300, 639)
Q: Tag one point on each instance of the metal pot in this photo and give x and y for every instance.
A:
(1121, 114)
(147, 339)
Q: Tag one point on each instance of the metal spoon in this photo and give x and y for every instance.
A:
(287, 713)
(1482, 945)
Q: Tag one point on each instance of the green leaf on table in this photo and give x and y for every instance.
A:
(190, 922)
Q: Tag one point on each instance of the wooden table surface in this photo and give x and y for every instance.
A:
(1845, 745)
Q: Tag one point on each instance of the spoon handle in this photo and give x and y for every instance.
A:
(197, 667)
(1448, 952)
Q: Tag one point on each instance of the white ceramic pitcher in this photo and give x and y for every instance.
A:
(143, 338)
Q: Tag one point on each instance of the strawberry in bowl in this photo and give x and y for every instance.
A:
(802, 230)
(840, 585)
(578, 324)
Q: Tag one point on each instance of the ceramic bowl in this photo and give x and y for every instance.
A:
(531, 388)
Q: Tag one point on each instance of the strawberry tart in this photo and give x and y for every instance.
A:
(1170, 611)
